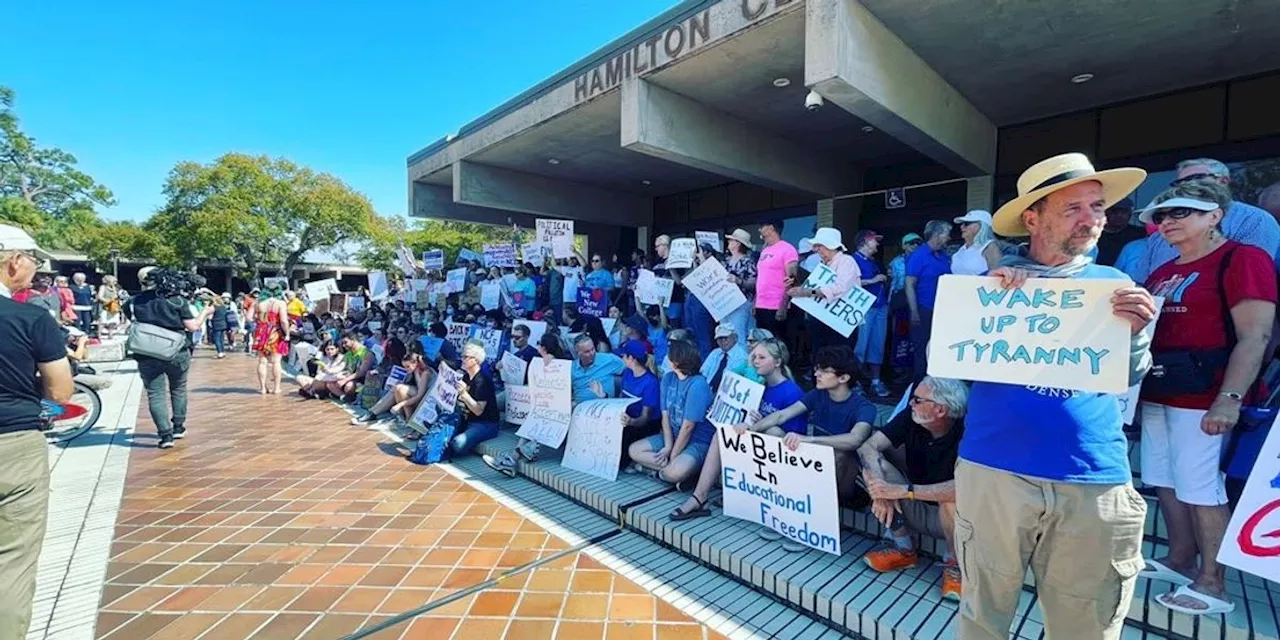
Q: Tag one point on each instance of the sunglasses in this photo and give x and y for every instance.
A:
(915, 399)
(1191, 178)
(1160, 215)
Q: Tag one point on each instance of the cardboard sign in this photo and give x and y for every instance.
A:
(519, 403)
(320, 289)
(651, 289)
(459, 333)
(1252, 543)
(433, 259)
(337, 303)
(455, 281)
(467, 255)
(427, 412)
(736, 399)
(357, 304)
(534, 252)
(710, 283)
(595, 437)
(1058, 333)
(593, 302)
(681, 254)
(499, 255)
(490, 295)
(492, 339)
(842, 314)
(791, 492)
(551, 400)
(513, 368)
(557, 234)
(445, 389)
(710, 237)
(1129, 401)
(397, 375)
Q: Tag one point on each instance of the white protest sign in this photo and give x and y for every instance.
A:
(492, 339)
(397, 375)
(791, 492)
(459, 333)
(736, 399)
(427, 412)
(842, 314)
(320, 289)
(594, 446)
(490, 295)
(1252, 543)
(1129, 401)
(551, 391)
(1052, 332)
(536, 329)
(499, 255)
(467, 255)
(709, 237)
(445, 390)
(513, 368)
(710, 283)
(534, 252)
(433, 259)
(557, 234)
(519, 402)
(651, 289)
(404, 260)
(378, 289)
(681, 253)
(609, 324)
(456, 280)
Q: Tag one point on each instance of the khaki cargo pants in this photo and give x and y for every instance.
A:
(24, 500)
(1083, 543)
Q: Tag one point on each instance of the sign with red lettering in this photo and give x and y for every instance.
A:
(1252, 543)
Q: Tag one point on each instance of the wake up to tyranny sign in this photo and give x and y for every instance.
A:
(1051, 332)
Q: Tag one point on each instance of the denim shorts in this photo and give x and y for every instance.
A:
(695, 450)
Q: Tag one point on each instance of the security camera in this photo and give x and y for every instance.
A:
(813, 101)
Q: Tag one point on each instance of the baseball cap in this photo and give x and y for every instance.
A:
(724, 330)
(633, 348)
(1175, 203)
(638, 324)
(911, 237)
(975, 215)
(863, 235)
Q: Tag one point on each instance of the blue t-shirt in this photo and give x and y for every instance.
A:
(781, 396)
(1076, 436)
(870, 269)
(835, 418)
(927, 265)
(647, 387)
(658, 338)
(528, 294)
(603, 370)
(599, 279)
(688, 399)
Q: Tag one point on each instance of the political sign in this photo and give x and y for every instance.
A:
(842, 314)
(427, 412)
(356, 303)
(513, 368)
(594, 445)
(551, 402)
(681, 253)
(404, 260)
(1252, 543)
(337, 303)
(499, 255)
(455, 280)
(710, 283)
(593, 302)
(651, 289)
(320, 289)
(519, 402)
(534, 252)
(1129, 400)
(736, 399)
(609, 325)
(1053, 333)
(433, 259)
(490, 295)
(397, 375)
(431, 346)
(378, 289)
(557, 234)
(492, 339)
(467, 255)
(710, 237)
(459, 333)
(445, 389)
(791, 492)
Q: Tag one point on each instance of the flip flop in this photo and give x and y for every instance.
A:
(1216, 605)
(1159, 572)
(700, 512)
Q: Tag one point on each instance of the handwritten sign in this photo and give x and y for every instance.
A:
(433, 259)
(1129, 401)
(593, 302)
(681, 254)
(534, 253)
(513, 368)
(791, 492)
(519, 402)
(595, 437)
(551, 403)
(710, 283)
(709, 238)
(445, 391)
(1252, 543)
(320, 289)
(499, 255)
(736, 399)
(455, 281)
(1051, 332)
(492, 339)
(651, 289)
(427, 412)
(557, 234)
(458, 334)
(467, 255)
(397, 375)
(357, 304)
(337, 303)
(490, 295)
(842, 314)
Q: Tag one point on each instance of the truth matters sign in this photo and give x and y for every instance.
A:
(1050, 332)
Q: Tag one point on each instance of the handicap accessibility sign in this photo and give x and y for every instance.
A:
(895, 198)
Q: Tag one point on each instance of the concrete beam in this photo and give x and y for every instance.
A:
(481, 185)
(854, 61)
(434, 201)
(667, 125)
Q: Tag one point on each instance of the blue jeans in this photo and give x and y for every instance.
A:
(870, 347)
(475, 433)
(741, 319)
(220, 340)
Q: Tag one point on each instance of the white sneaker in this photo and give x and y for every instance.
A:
(528, 450)
(503, 463)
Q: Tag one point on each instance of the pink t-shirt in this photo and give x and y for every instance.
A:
(771, 274)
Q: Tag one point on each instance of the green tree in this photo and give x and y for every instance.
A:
(422, 234)
(253, 210)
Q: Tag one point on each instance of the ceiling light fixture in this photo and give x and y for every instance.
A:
(868, 129)
(645, 182)
(781, 82)
(552, 161)
(1081, 78)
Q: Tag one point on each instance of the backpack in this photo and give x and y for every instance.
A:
(151, 341)
(434, 446)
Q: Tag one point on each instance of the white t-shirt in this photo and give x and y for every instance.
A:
(969, 261)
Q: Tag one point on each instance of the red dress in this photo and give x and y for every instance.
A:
(267, 337)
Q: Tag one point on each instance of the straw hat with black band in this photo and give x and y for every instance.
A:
(1057, 173)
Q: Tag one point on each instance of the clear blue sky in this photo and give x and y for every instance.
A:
(348, 88)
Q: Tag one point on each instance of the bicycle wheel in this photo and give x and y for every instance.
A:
(76, 416)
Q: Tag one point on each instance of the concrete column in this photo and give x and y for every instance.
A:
(642, 239)
(826, 212)
(667, 125)
(981, 192)
(492, 187)
(854, 61)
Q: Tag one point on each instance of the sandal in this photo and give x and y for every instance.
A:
(700, 512)
(1214, 605)
(1160, 572)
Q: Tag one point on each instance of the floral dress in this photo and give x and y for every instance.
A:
(267, 337)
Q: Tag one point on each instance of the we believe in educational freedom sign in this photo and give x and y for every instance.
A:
(1051, 332)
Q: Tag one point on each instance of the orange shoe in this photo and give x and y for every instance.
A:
(951, 583)
(891, 558)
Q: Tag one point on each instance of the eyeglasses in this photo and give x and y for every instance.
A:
(1160, 215)
(915, 399)
(1191, 178)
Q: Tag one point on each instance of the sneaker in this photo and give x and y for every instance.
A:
(891, 558)
(528, 450)
(503, 463)
(166, 442)
(179, 433)
(366, 419)
(880, 390)
(951, 582)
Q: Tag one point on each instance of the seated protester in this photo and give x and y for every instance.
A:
(331, 366)
(769, 361)
(549, 349)
(448, 353)
(592, 326)
(634, 328)
(477, 401)
(302, 354)
(592, 369)
(678, 452)
(729, 356)
(676, 335)
(402, 399)
(644, 418)
(910, 463)
(520, 334)
(359, 362)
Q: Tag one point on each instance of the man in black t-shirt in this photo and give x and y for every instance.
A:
(476, 400)
(910, 463)
(32, 345)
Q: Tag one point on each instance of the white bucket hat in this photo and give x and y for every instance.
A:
(742, 236)
(976, 215)
(1055, 174)
(15, 239)
(829, 238)
(1175, 203)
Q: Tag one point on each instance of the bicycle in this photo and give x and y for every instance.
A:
(63, 422)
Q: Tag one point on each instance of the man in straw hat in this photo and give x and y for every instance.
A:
(1043, 477)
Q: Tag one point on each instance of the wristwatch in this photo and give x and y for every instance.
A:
(1232, 395)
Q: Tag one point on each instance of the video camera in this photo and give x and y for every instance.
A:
(172, 282)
